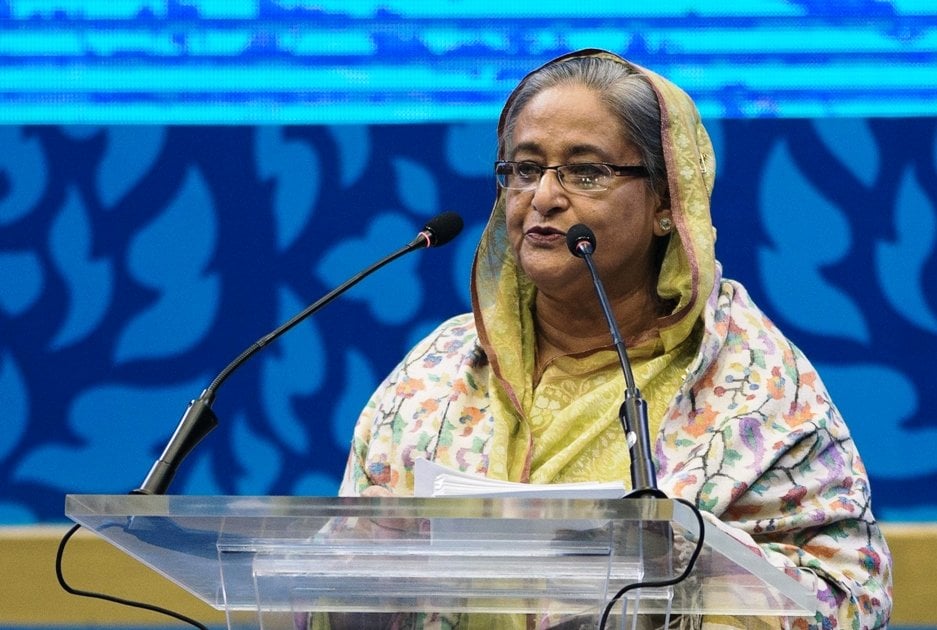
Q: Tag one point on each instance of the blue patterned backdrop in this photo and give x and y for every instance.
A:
(136, 260)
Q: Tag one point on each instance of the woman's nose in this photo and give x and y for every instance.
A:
(549, 195)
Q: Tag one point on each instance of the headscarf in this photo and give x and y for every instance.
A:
(502, 297)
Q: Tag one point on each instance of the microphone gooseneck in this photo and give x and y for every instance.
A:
(199, 419)
(581, 243)
(633, 412)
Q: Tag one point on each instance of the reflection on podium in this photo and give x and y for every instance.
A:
(269, 562)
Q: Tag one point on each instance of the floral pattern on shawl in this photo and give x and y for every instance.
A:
(752, 438)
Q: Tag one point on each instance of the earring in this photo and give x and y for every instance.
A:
(665, 223)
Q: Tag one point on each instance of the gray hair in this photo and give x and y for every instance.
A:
(626, 92)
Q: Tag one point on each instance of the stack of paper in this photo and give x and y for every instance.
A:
(434, 480)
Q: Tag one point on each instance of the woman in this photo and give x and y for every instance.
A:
(527, 386)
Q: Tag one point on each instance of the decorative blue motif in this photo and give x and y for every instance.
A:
(89, 282)
(23, 172)
(807, 234)
(131, 153)
(294, 170)
(14, 401)
(358, 379)
(894, 444)
(851, 141)
(393, 295)
(201, 478)
(471, 149)
(21, 280)
(416, 187)
(187, 293)
(462, 267)
(295, 367)
(258, 460)
(107, 432)
(353, 151)
(903, 260)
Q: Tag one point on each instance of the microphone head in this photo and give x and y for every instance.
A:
(580, 240)
(442, 228)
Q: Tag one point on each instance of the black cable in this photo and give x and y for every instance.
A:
(669, 582)
(111, 598)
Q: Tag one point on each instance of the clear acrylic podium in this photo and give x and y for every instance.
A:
(267, 561)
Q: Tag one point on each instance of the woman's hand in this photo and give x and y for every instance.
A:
(376, 491)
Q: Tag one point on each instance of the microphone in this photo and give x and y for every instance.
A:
(199, 419)
(438, 231)
(633, 412)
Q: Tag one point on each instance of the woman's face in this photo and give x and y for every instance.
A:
(568, 124)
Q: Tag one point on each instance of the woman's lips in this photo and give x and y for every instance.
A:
(545, 235)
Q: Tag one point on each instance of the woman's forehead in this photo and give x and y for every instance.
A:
(570, 119)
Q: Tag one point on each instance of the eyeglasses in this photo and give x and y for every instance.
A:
(584, 177)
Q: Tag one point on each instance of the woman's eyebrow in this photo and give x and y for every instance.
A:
(588, 149)
(527, 147)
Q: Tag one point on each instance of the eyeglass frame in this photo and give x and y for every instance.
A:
(617, 170)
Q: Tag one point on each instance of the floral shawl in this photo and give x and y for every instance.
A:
(743, 426)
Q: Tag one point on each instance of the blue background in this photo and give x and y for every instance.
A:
(177, 178)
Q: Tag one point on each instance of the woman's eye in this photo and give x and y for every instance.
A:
(583, 175)
(528, 171)
(584, 171)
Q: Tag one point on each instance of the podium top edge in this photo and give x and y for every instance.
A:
(79, 506)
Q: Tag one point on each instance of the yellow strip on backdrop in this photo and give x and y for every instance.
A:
(31, 595)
